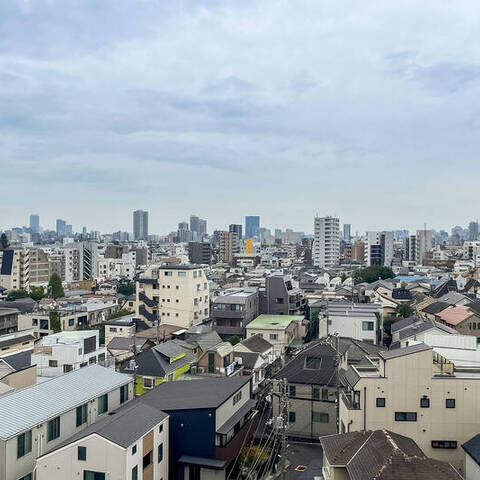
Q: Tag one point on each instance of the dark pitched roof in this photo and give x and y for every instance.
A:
(24, 305)
(126, 343)
(475, 306)
(423, 327)
(14, 341)
(207, 393)
(401, 294)
(383, 455)
(435, 308)
(249, 359)
(401, 352)
(472, 447)
(404, 322)
(19, 360)
(356, 349)
(256, 343)
(296, 371)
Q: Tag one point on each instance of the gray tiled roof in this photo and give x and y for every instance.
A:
(256, 343)
(401, 352)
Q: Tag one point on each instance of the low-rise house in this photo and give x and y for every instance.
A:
(16, 342)
(380, 455)
(455, 298)
(259, 346)
(414, 329)
(124, 326)
(464, 320)
(217, 360)
(433, 309)
(38, 419)
(12, 378)
(133, 443)
(210, 420)
(279, 330)
(63, 352)
(122, 349)
(8, 320)
(254, 365)
(472, 458)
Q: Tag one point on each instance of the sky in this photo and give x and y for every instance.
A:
(283, 108)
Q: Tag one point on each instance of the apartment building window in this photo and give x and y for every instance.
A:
(82, 453)
(424, 402)
(273, 336)
(24, 444)
(102, 404)
(168, 274)
(325, 394)
(405, 416)
(89, 475)
(380, 402)
(291, 417)
(123, 393)
(450, 403)
(194, 274)
(367, 326)
(147, 460)
(148, 382)
(316, 393)
(320, 417)
(182, 274)
(451, 444)
(237, 397)
(135, 473)
(292, 390)
(53, 363)
(160, 428)
(81, 415)
(160, 453)
(53, 429)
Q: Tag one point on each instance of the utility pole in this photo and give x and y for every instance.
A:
(282, 423)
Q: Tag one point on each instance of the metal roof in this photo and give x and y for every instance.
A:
(274, 322)
(24, 409)
(400, 352)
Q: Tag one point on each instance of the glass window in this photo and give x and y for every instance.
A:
(82, 453)
(380, 402)
(53, 429)
(405, 416)
(444, 444)
(168, 274)
(27, 477)
(160, 428)
(134, 450)
(292, 390)
(325, 394)
(424, 402)
(291, 417)
(88, 475)
(135, 473)
(273, 336)
(147, 460)
(123, 393)
(316, 393)
(367, 326)
(182, 274)
(320, 417)
(24, 444)
(450, 403)
(103, 404)
(160, 453)
(81, 415)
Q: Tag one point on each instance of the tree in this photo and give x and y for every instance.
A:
(55, 323)
(16, 294)
(234, 339)
(37, 293)
(55, 288)
(312, 332)
(372, 274)
(3, 242)
(120, 313)
(404, 310)
(126, 288)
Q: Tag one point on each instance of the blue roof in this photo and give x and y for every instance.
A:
(409, 278)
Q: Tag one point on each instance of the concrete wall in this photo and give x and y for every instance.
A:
(227, 409)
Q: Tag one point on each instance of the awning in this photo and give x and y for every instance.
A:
(230, 423)
(203, 462)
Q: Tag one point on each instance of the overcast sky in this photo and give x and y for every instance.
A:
(284, 108)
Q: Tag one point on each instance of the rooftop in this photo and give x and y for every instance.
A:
(274, 322)
(401, 352)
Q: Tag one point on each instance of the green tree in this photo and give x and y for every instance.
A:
(234, 339)
(404, 310)
(372, 274)
(120, 313)
(55, 288)
(16, 294)
(3, 242)
(55, 323)
(126, 288)
(37, 293)
(312, 332)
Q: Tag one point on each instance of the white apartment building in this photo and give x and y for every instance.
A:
(15, 269)
(116, 268)
(133, 443)
(326, 246)
(38, 419)
(427, 393)
(379, 248)
(471, 251)
(360, 321)
(63, 352)
(173, 294)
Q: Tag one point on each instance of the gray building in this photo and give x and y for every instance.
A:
(8, 320)
(34, 223)
(233, 310)
(235, 228)
(200, 253)
(61, 226)
(140, 225)
(281, 296)
(252, 226)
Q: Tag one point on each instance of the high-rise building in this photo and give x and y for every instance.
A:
(200, 253)
(183, 233)
(68, 230)
(326, 247)
(228, 246)
(252, 226)
(202, 227)
(473, 231)
(424, 244)
(195, 224)
(235, 228)
(34, 223)
(347, 232)
(379, 248)
(140, 225)
(61, 226)
(410, 248)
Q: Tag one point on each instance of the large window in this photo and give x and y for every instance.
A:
(123, 393)
(81, 415)
(147, 460)
(444, 444)
(103, 404)
(367, 326)
(405, 416)
(53, 429)
(24, 444)
(320, 417)
(88, 475)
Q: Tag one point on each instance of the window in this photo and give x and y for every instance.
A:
(148, 382)
(27, 477)
(53, 363)
(313, 363)
(71, 322)
(444, 444)
(292, 390)
(237, 397)
(367, 326)
(380, 402)
(53, 429)
(424, 402)
(291, 417)
(182, 274)
(81, 415)
(88, 475)
(273, 336)
(450, 403)
(168, 274)
(147, 460)
(123, 393)
(325, 394)
(279, 301)
(82, 453)
(134, 449)
(405, 416)
(24, 444)
(102, 404)
(160, 453)
(135, 473)
(160, 428)
(320, 417)
(316, 393)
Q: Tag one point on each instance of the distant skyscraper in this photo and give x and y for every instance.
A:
(35, 223)
(252, 226)
(347, 232)
(202, 227)
(235, 228)
(60, 226)
(326, 246)
(84, 230)
(424, 240)
(140, 225)
(68, 230)
(195, 224)
(473, 231)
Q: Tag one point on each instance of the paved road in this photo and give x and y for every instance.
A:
(305, 454)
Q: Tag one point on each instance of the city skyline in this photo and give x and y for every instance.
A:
(353, 105)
